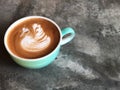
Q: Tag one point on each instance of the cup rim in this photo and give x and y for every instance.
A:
(20, 20)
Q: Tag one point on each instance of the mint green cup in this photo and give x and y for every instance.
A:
(66, 35)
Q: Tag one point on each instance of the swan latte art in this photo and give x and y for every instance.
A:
(33, 38)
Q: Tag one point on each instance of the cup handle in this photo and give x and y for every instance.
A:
(67, 35)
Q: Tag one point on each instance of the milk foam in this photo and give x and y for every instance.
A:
(34, 40)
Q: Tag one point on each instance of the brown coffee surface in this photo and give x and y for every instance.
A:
(33, 38)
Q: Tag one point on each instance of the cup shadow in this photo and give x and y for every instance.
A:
(4, 56)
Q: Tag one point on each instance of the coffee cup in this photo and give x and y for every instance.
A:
(35, 41)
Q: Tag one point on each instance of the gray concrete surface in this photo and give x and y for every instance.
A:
(90, 62)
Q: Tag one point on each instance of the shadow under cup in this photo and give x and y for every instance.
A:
(25, 34)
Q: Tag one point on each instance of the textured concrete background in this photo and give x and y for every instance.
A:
(90, 62)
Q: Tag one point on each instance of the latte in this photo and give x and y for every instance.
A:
(33, 38)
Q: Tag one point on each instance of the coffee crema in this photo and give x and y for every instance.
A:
(33, 38)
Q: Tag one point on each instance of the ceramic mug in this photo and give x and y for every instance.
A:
(47, 59)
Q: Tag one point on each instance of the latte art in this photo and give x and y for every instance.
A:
(33, 38)
(36, 41)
